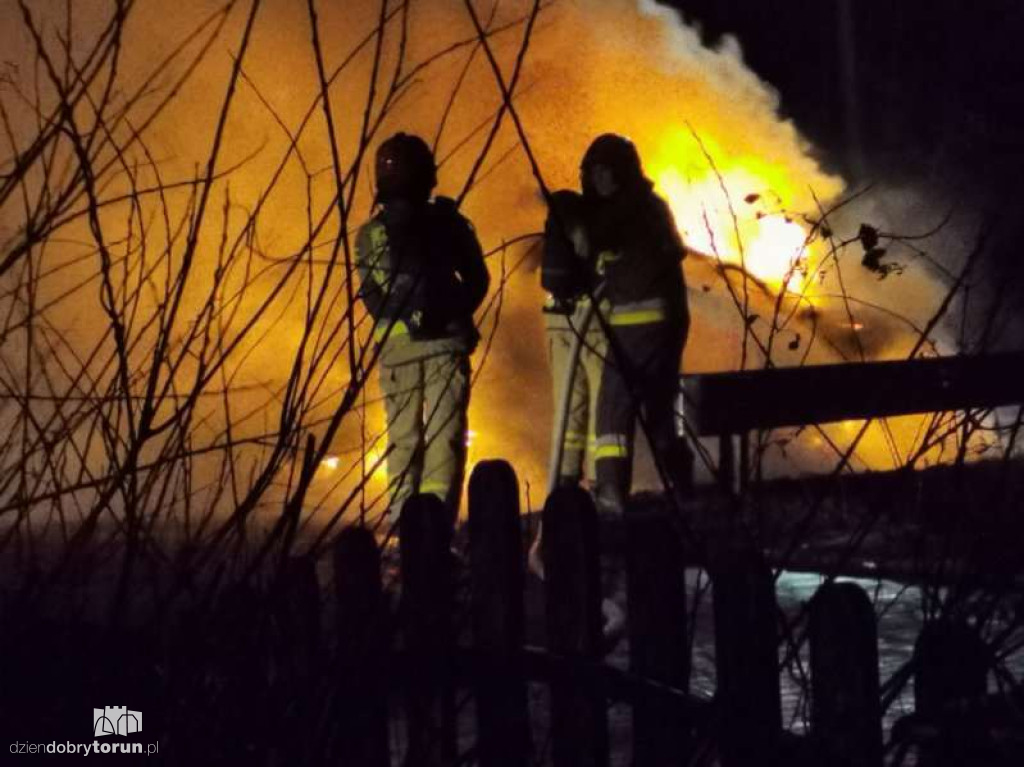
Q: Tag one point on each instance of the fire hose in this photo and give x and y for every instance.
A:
(565, 393)
(562, 405)
(613, 615)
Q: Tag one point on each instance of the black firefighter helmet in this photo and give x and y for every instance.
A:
(405, 169)
(616, 153)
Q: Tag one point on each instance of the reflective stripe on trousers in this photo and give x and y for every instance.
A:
(579, 442)
(426, 403)
(638, 313)
(649, 379)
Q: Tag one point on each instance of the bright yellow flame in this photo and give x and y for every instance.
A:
(777, 250)
(373, 466)
(732, 207)
(720, 210)
(332, 463)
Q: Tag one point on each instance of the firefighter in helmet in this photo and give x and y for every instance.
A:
(422, 276)
(638, 255)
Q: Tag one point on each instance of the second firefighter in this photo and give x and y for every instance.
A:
(638, 255)
(422, 276)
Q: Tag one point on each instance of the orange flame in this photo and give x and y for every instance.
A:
(719, 207)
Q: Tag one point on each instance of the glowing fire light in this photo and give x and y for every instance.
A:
(731, 207)
(373, 466)
(720, 212)
(776, 251)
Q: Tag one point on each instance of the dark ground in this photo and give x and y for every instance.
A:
(236, 678)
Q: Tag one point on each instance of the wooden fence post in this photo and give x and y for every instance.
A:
(363, 647)
(846, 713)
(496, 572)
(579, 718)
(950, 686)
(427, 626)
(746, 659)
(658, 644)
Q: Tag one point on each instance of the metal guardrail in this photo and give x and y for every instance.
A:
(726, 404)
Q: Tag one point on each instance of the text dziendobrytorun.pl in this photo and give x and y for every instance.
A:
(84, 749)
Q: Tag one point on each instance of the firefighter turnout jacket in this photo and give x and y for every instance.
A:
(422, 276)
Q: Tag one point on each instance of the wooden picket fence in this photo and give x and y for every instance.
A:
(427, 658)
(407, 669)
(412, 664)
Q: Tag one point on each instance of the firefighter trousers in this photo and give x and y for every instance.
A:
(642, 371)
(579, 440)
(426, 401)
